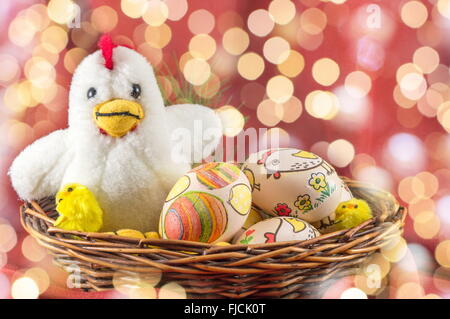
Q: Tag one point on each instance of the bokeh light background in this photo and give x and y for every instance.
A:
(364, 84)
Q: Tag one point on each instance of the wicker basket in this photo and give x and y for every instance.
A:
(295, 269)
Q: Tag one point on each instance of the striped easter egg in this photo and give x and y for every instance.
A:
(195, 216)
(217, 174)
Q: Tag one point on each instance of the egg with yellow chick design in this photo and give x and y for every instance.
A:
(295, 183)
(209, 204)
(278, 229)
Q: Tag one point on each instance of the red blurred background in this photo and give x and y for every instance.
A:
(364, 84)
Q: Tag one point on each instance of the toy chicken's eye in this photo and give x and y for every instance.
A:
(91, 93)
(70, 189)
(356, 206)
(343, 206)
(136, 91)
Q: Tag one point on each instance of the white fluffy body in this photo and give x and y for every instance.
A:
(130, 176)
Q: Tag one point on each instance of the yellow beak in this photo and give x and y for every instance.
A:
(117, 117)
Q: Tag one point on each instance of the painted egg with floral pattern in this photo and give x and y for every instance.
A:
(209, 204)
(295, 183)
(278, 229)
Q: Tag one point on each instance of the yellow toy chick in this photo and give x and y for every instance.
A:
(351, 213)
(78, 209)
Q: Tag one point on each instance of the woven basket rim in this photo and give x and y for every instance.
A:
(334, 254)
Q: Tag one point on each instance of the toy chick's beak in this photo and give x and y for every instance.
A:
(117, 117)
(350, 206)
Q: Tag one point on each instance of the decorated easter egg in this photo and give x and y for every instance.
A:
(278, 229)
(292, 182)
(254, 216)
(209, 204)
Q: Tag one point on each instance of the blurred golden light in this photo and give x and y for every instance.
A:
(61, 11)
(8, 238)
(40, 277)
(210, 88)
(172, 290)
(308, 41)
(196, 71)
(134, 8)
(250, 66)
(442, 253)
(177, 9)
(322, 104)
(260, 22)
(37, 16)
(269, 113)
(364, 283)
(401, 100)
(11, 99)
(443, 7)
(54, 39)
(313, 21)
(147, 292)
(395, 250)
(32, 250)
(413, 85)
(292, 109)
(73, 57)
(10, 68)
(21, 31)
(232, 120)
(410, 290)
(430, 182)
(104, 19)
(136, 284)
(358, 84)
(276, 50)
(279, 89)
(157, 13)
(201, 21)
(84, 37)
(414, 14)
(293, 65)
(426, 58)
(158, 37)
(282, 11)
(427, 224)
(432, 296)
(341, 152)
(40, 72)
(153, 55)
(443, 115)
(235, 41)
(202, 46)
(325, 71)
(384, 266)
(24, 94)
(228, 20)
(353, 293)
(24, 288)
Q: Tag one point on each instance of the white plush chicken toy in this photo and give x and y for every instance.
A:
(122, 142)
